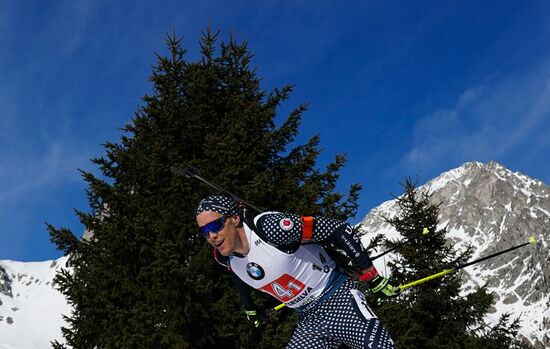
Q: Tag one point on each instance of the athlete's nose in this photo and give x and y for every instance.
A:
(212, 235)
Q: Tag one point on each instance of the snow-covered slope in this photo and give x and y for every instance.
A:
(491, 208)
(30, 308)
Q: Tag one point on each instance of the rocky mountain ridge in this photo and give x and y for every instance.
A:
(492, 208)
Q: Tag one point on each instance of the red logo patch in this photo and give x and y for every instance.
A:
(286, 224)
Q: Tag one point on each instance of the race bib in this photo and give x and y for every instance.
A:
(361, 302)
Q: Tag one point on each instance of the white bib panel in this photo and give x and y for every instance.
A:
(295, 279)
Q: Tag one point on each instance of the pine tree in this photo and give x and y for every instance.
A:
(146, 279)
(434, 314)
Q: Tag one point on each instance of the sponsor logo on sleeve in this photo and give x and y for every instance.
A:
(286, 224)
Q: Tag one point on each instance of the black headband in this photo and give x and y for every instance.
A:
(220, 203)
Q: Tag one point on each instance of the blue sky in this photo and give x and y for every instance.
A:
(405, 89)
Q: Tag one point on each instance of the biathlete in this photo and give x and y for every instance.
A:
(280, 254)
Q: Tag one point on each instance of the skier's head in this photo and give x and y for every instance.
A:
(220, 224)
(223, 204)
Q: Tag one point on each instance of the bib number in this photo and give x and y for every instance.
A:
(284, 288)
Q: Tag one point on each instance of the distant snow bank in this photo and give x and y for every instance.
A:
(31, 318)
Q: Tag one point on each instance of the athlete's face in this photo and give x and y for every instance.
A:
(227, 240)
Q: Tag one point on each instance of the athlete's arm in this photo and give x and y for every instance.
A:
(242, 288)
(282, 229)
(244, 293)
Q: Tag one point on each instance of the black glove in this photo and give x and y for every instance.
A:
(257, 318)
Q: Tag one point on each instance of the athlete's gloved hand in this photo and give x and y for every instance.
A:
(257, 318)
(379, 285)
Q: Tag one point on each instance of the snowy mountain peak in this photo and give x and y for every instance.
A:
(492, 208)
(488, 176)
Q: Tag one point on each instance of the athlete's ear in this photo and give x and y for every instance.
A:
(237, 220)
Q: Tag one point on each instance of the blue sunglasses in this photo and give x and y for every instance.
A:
(213, 227)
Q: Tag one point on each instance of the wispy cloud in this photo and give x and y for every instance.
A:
(38, 147)
(23, 173)
(492, 121)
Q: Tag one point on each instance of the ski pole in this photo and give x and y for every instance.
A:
(193, 172)
(425, 231)
(271, 311)
(532, 240)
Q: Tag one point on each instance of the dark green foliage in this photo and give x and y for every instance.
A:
(146, 279)
(503, 335)
(434, 314)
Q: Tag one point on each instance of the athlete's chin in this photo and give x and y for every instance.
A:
(224, 250)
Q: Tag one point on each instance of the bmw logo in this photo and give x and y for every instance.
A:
(255, 271)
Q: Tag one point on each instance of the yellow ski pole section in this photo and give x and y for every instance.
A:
(271, 311)
(414, 283)
(280, 306)
(532, 241)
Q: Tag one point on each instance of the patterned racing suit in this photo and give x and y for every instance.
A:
(287, 261)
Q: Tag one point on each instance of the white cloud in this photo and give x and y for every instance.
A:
(24, 172)
(492, 121)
